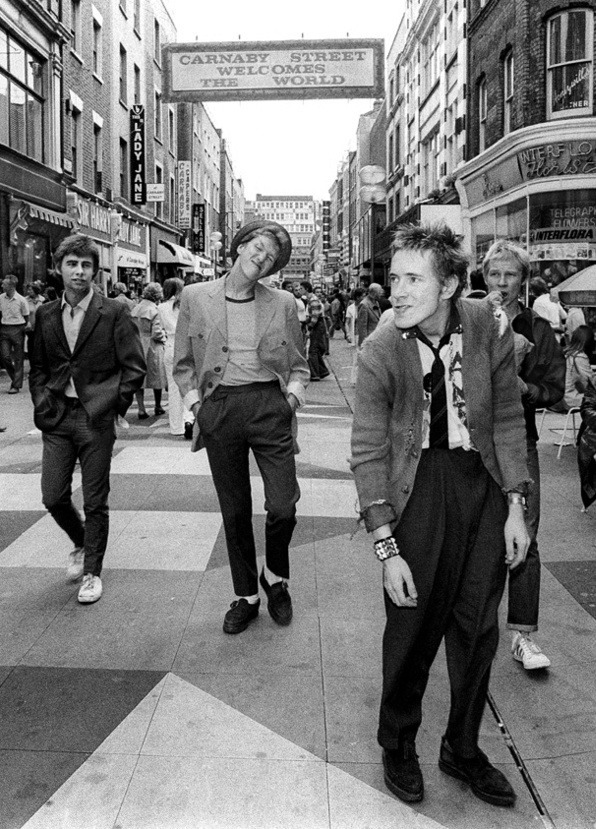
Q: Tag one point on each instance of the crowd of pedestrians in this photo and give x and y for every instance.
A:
(448, 372)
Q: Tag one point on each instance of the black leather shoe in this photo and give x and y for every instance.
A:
(403, 775)
(487, 782)
(279, 603)
(188, 430)
(240, 615)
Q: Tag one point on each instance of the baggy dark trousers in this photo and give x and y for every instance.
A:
(234, 420)
(451, 535)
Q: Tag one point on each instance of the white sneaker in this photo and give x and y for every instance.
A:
(526, 651)
(91, 589)
(76, 563)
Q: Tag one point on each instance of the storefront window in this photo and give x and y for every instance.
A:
(21, 98)
(569, 63)
(483, 233)
(562, 233)
(511, 221)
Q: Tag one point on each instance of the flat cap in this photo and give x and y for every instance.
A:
(253, 229)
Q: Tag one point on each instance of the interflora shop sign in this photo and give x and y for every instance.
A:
(240, 71)
(561, 158)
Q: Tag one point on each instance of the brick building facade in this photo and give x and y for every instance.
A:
(531, 131)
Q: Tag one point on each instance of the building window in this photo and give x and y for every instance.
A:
(123, 78)
(75, 25)
(482, 109)
(22, 105)
(97, 159)
(158, 180)
(430, 57)
(123, 7)
(172, 204)
(157, 116)
(76, 137)
(137, 16)
(507, 92)
(124, 161)
(137, 80)
(171, 131)
(569, 63)
(97, 48)
(157, 42)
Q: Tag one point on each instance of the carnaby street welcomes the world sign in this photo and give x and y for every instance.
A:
(259, 70)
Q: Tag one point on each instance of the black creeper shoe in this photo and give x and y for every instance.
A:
(240, 615)
(279, 602)
(486, 782)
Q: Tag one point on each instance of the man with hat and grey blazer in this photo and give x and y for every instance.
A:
(240, 366)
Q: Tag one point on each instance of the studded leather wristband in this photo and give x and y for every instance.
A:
(386, 548)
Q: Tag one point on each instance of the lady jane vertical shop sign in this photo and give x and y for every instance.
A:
(138, 188)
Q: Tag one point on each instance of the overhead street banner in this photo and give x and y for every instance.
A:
(261, 70)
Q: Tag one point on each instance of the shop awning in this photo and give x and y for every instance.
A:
(579, 289)
(51, 216)
(170, 254)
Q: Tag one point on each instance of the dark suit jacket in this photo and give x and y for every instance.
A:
(107, 365)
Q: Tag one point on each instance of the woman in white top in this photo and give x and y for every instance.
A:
(181, 419)
(578, 374)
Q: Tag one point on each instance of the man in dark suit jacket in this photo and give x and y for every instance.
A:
(87, 362)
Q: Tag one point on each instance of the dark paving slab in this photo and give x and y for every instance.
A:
(29, 778)
(30, 600)
(309, 470)
(54, 709)
(13, 524)
(291, 706)
(567, 786)
(308, 529)
(166, 493)
(579, 578)
(52, 720)
(20, 468)
(138, 624)
(549, 713)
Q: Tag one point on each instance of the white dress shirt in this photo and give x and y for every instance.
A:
(72, 319)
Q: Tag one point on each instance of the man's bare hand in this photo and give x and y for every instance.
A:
(517, 539)
(398, 582)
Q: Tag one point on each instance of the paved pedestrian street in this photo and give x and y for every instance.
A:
(138, 712)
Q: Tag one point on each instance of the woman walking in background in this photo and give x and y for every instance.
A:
(153, 339)
(181, 419)
(578, 371)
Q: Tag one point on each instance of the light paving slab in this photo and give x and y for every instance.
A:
(23, 491)
(188, 722)
(91, 798)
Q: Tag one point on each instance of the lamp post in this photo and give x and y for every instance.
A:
(216, 244)
(373, 192)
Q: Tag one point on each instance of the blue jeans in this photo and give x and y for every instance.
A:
(524, 581)
(74, 439)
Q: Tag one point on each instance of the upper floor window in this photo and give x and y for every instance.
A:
(507, 92)
(482, 110)
(137, 16)
(430, 57)
(97, 48)
(157, 42)
(570, 63)
(123, 76)
(22, 103)
(75, 25)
